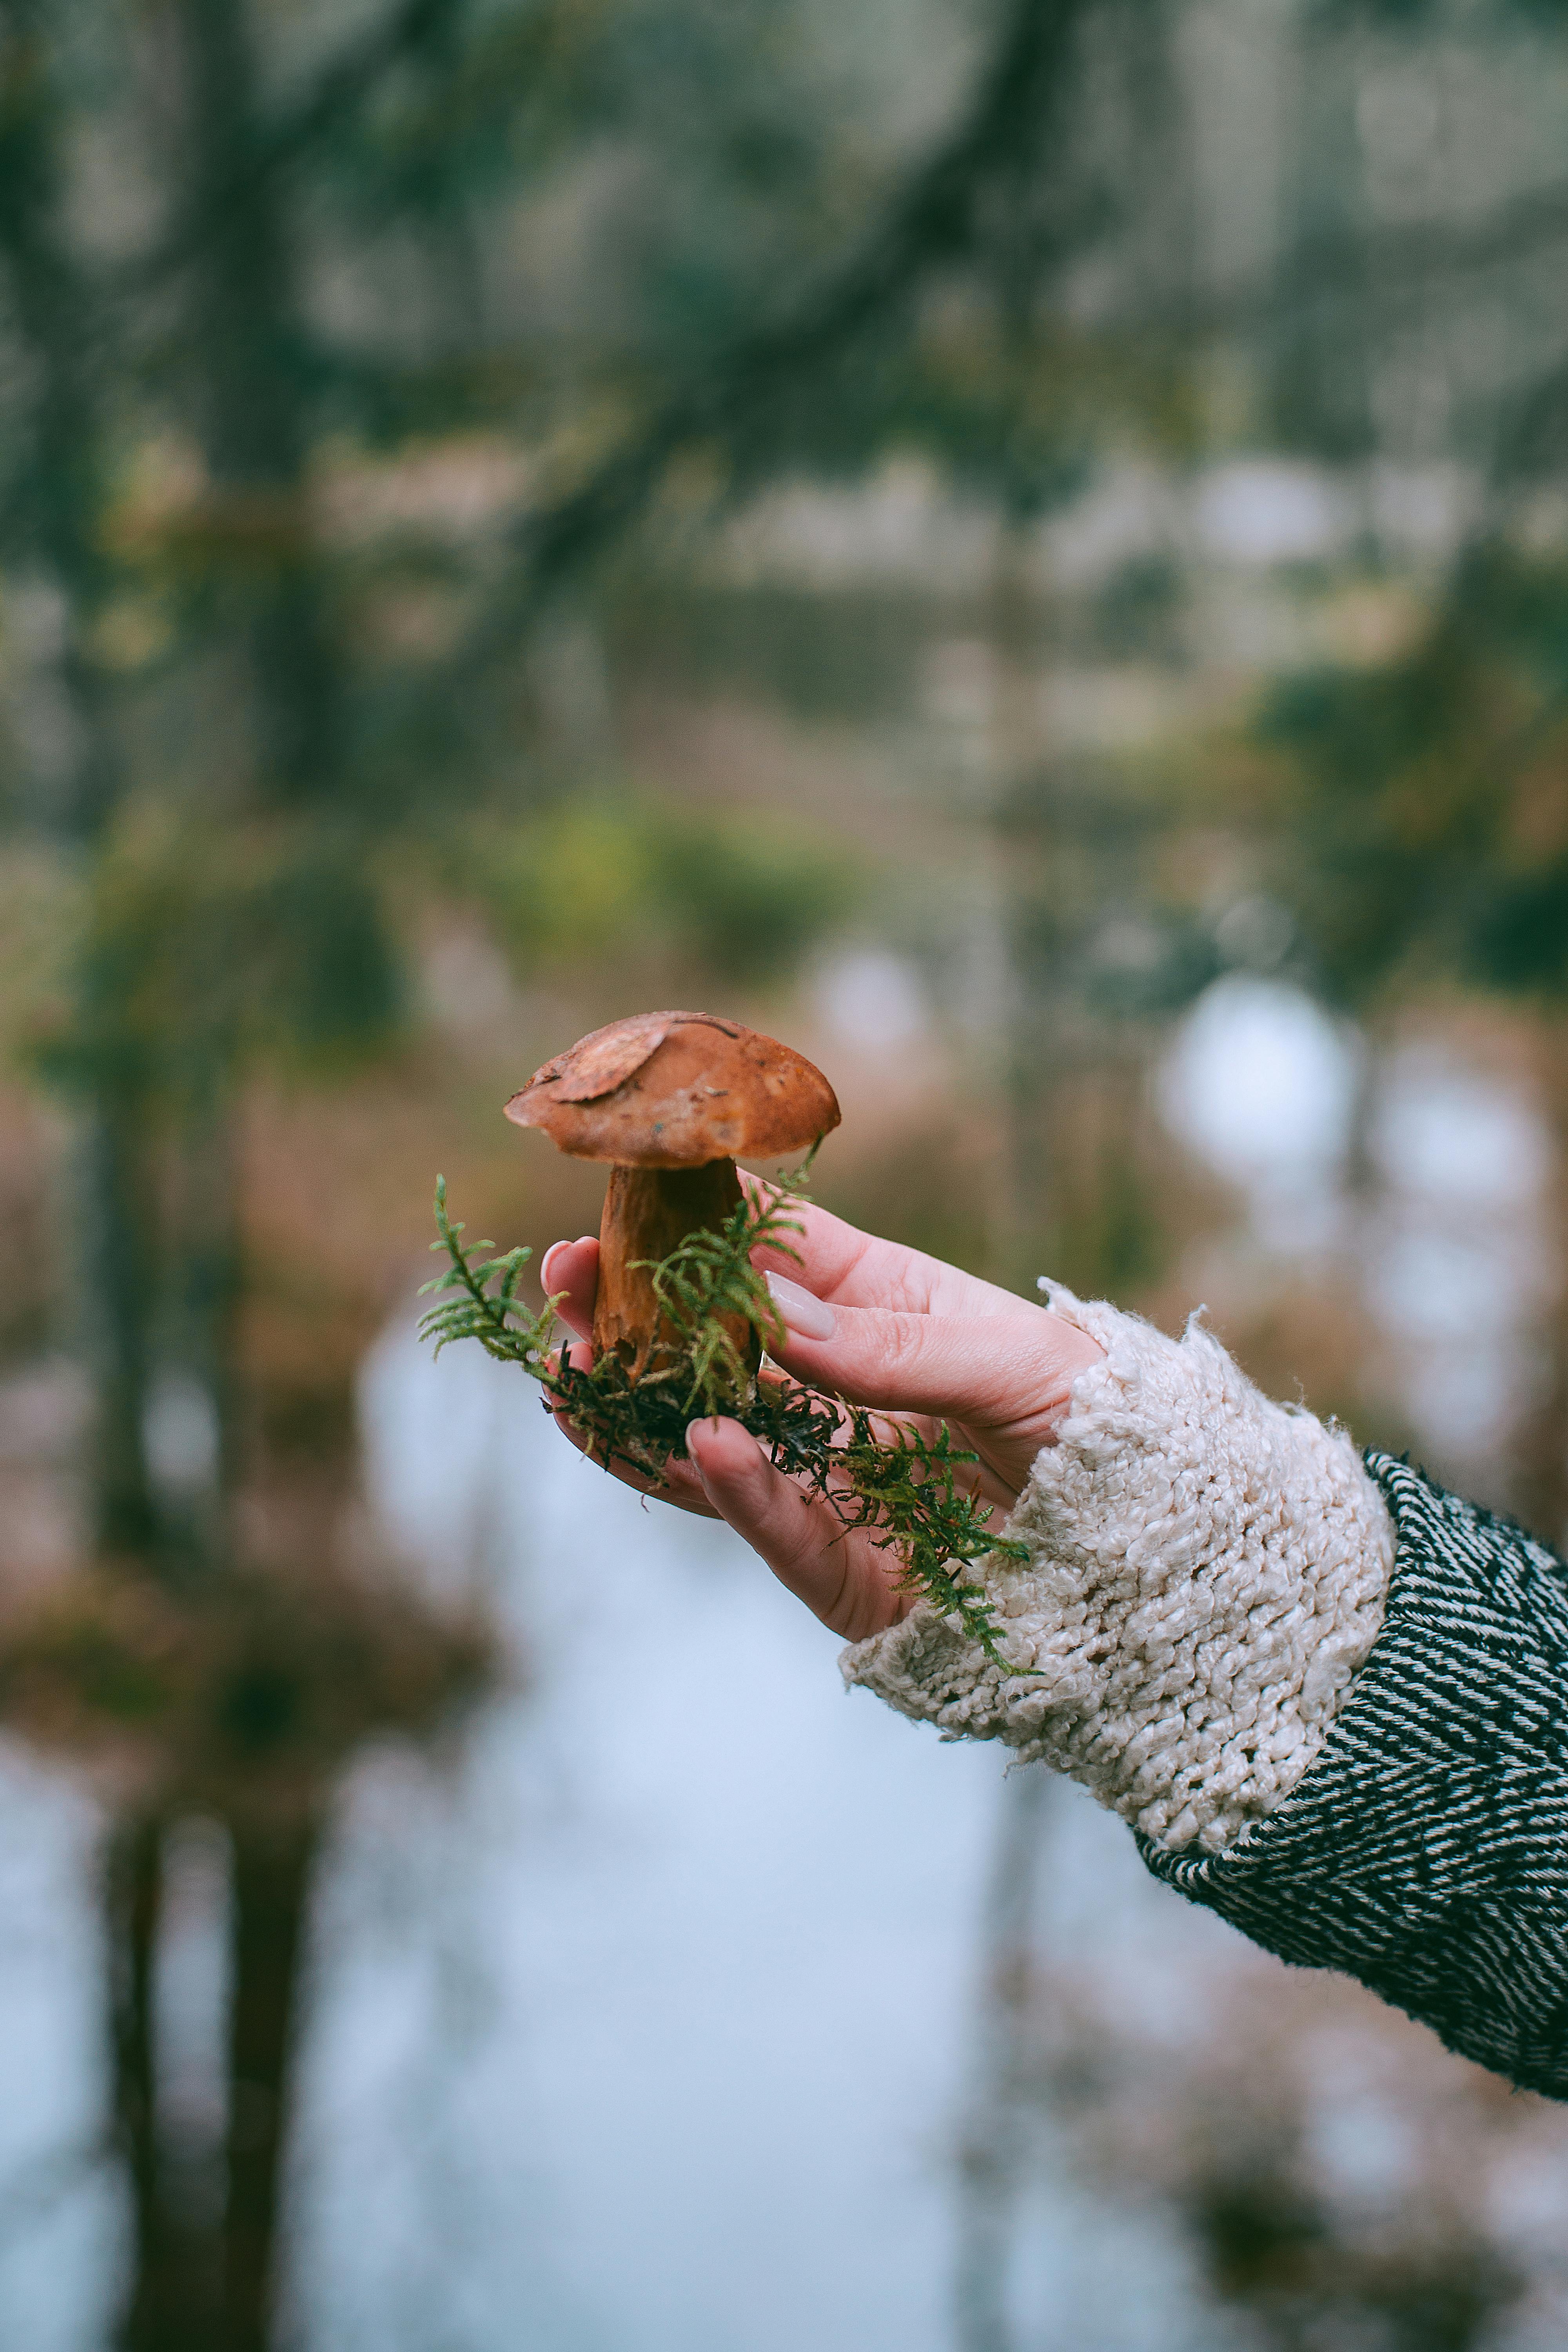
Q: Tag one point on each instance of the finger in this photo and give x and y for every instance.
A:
(849, 1582)
(839, 1261)
(995, 1368)
(679, 1483)
(572, 1268)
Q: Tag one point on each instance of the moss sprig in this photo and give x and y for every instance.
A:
(876, 1472)
(499, 1320)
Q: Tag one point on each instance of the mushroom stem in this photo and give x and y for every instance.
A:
(648, 1211)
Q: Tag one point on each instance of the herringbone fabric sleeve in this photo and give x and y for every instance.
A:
(1425, 1849)
(1330, 1699)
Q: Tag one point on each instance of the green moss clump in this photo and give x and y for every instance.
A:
(875, 1472)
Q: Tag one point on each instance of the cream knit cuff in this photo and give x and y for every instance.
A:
(1206, 1576)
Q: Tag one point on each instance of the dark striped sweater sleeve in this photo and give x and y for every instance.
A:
(1425, 1849)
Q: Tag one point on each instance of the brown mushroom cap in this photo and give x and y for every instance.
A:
(676, 1090)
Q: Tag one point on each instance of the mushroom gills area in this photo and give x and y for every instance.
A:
(649, 1212)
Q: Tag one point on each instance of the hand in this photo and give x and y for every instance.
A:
(886, 1328)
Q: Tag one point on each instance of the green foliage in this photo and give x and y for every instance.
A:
(195, 945)
(497, 1319)
(1424, 834)
(738, 894)
(747, 895)
(1521, 940)
(1399, 816)
(877, 1473)
(330, 961)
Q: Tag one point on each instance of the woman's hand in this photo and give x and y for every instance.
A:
(886, 1328)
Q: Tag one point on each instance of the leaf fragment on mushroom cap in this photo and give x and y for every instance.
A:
(596, 1065)
(607, 1059)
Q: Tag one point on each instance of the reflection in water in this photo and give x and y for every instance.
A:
(192, 1996)
(646, 2022)
(645, 2019)
(652, 2020)
(61, 2216)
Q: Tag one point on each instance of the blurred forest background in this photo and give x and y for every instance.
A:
(1019, 544)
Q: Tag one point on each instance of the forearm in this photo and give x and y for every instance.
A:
(1332, 1699)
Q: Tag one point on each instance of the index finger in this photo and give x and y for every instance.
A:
(847, 1267)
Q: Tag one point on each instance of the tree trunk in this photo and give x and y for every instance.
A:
(1541, 1448)
(173, 2304)
(67, 489)
(133, 1882)
(245, 344)
(993, 2146)
(115, 1311)
(271, 1885)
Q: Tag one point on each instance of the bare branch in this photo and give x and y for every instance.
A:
(936, 218)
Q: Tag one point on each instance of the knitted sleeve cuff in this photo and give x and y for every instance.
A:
(1205, 1575)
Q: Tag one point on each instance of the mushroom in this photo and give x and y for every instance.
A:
(671, 1100)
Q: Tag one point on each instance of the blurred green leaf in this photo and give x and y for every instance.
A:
(1521, 940)
(724, 892)
(336, 982)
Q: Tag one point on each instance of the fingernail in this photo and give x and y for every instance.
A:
(691, 1429)
(802, 1312)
